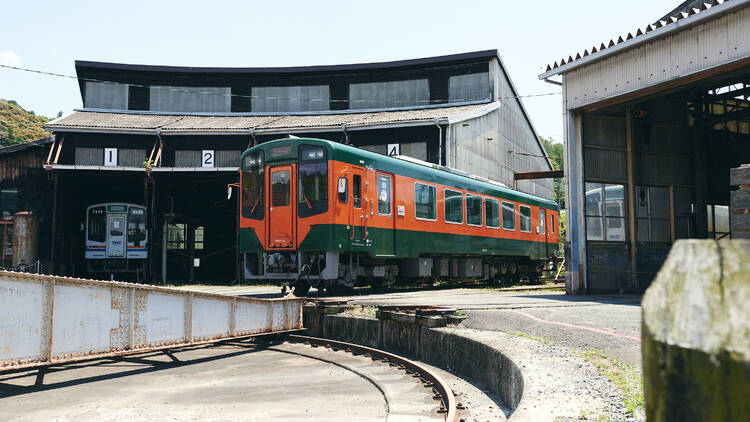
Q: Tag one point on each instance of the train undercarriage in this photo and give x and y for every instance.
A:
(338, 273)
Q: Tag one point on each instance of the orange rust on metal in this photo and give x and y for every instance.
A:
(552, 174)
(448, 400)
(130, 300)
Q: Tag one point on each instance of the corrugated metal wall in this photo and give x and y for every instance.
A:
(481, 146)
(128, 157)
(714, 43)
(190, 99)
(89, 156)
(109, 96)
(470, 87)
(192, 158)
(291, 98)
(389, 94)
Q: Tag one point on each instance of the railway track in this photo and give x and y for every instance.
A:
(400, 402)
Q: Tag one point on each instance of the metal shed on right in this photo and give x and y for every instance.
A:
(654, 121)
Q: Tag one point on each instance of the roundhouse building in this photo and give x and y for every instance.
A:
(170, 138)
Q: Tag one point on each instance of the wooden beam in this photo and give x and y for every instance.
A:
(552, 174)
(721, 118)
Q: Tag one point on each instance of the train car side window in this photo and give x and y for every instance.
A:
(492, 213)
(552, 223)
(384, 195)
(509, 216)
(525, 218)
(357, 191)
(343, 189)
(474, 210)
(425, 198)
(454, 210)
(542, 220)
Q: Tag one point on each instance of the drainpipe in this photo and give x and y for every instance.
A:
(440, 141)
(164, 250)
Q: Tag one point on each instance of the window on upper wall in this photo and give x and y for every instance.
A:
(469, 87)
(652, 214)
(425, 207)
(492, 213)
(509, 216)
(389, 94)
(9, 203)
(292, 99)
(453, 206)
(473, 210)
(384, 195)
(190, 99)
(524, 219)
(605, 212)
(104, 95)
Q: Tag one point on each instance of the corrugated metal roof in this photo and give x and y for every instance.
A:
(174, 124)
(665, 25)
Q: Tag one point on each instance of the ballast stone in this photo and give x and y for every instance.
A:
(696, 333)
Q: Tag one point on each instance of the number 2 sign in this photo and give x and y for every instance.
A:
(207, 158)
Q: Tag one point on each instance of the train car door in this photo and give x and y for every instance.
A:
(116, 235)
(384, 210)
(281, 227)
(357, 211)
(543, 232)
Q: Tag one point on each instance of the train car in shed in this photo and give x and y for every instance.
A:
(324, 214)
(116, 238)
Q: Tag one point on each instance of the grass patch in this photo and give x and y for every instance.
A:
(362, 311)
(521, 334)
(627, 379)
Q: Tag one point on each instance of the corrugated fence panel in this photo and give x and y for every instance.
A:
(89, 319)
(89, 156)
(190, 99)
(603, 164)
(187, 158)
(228, 158)
(110, 96)
(291, 98)
(470, 87)
(389, 94)
(127, 157)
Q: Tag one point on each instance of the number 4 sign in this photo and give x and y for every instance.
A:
(394, 149)
(207, 158)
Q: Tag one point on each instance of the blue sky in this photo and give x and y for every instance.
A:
(50, 35)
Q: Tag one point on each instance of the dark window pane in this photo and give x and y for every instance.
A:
(280, 189)
(424, 201)
(252, 186)
(509, 216)
(473, 210)
(454, 212)
(357, 191)
(136, 225)
(312, 181)
(524, 218)
(492, 213)
(97, 224)
(343, 189)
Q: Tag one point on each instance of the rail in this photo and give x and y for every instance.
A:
(442, 390)
(49, 320)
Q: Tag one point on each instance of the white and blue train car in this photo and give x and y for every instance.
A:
(116, 238)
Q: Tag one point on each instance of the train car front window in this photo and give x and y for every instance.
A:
(252, 186)
(136, 225)
(313, 181)
(97, 224)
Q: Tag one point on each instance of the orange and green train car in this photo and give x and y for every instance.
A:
(324, 214)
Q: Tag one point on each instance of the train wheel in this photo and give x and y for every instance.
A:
(301, 288)
(378, 286)
(338, 290)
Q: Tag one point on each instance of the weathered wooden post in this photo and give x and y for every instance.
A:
(696, 334)
(739, 205)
